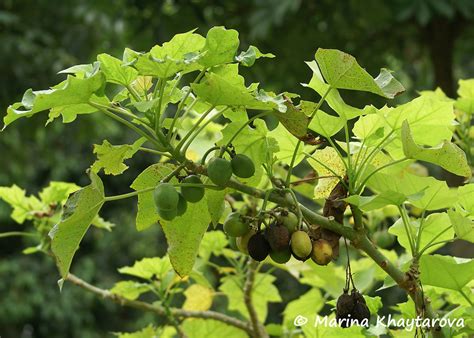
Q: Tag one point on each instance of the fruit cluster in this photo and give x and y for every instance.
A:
(280, 240)
(351, 307)
(220, 170)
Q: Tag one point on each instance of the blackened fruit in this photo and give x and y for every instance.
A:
(322, 252)
(242, 242)
(361, 312)
(242, 166)
(278, 237)
(289, 220)
(344, 307)
(219, 171)
(234, 225)
(182, 206)
(281, 257)
(166, 197)
(301, 244)
(167, 215)
(192, 194)
(258, 247)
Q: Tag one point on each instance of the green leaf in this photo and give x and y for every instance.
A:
(465, 102)
(115, 71)
(101, 223)
(147, 332)
(368, 203)
(225, 87)
(463, 225)
(326, 125)
(148, 268)
(111, 158)
(264, 292)
(69, 92)
(220, 47)
(373, 303)
(177, 55)
(215, 204)
(286, 145)
(184, 234)
(333, 99)
(437, 194)
(69, 112)
(129, 289)
(341, 70)
(249, 57)
(436, 227)
(430, 119)
(449, 156)
(294, 119)
(307, 305)
(329, 157)
(150, 177)
(57, 192)
(212, 243)
(199, 328)
(466, 198)
(21, 204)
(446, 272)
(79, 211)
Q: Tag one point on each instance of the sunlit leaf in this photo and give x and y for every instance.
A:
(446, 272)
(111, 158)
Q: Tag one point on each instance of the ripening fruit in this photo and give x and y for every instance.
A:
(383, 239)
(242, 242)
(219, 171)
(322, 252)
(166, 197)
(192, 194)
(290, 221)
(278, 237)
(301, 245)
(167, 215)
(242, 166)
(182, 206)
(234, 225)
(281, 257)
(258, 247)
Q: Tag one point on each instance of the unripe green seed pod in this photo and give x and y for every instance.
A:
(219, 171)
(242, 166)
(281, 257)
(166, 197)
(234, 225)
(192, 194)
(301, 245)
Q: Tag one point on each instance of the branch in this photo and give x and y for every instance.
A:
(106, 294)
(258, 330)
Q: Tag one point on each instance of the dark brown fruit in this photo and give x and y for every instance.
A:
(361, 312)
(278, 237)
(258, 247)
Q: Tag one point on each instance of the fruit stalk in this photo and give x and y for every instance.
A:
(258, 331)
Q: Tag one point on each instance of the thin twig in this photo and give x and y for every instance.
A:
(258, 329)
(159, 310)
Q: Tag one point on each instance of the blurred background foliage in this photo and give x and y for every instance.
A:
(427, 43)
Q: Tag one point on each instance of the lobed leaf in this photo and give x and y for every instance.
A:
(111, 158)
(446, 272)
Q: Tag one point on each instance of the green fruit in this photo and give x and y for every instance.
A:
(182, 205)
(383, 239)
(167, 215)
(322, 252)
(242, 242)
(192, 194)
(281, 257)
(233, 243)
(219, 171)
(234, 225)
(301, 245)
(242, 166)
(166, 197)
(290, 221)
(258, 247)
